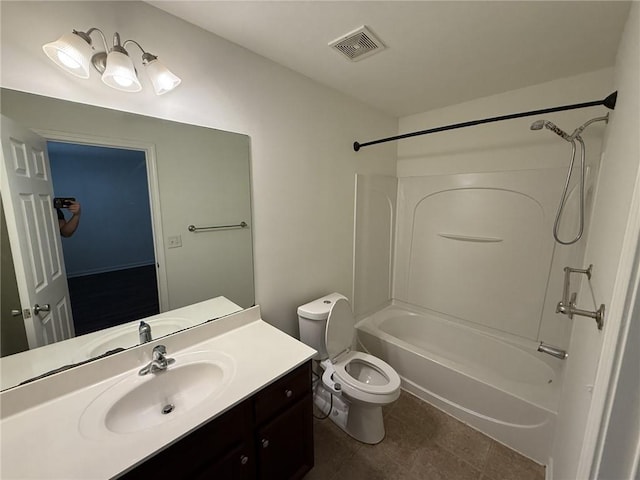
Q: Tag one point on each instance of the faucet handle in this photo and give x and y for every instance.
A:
(160, 349)
(159, 362)
(159, 354)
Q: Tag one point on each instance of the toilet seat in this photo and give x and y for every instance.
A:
(384, 393)
(339, 333)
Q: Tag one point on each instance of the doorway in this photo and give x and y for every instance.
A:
(110, 260)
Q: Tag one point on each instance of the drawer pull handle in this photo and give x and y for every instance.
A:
(265, 443)
(244, 459)
(288, 393)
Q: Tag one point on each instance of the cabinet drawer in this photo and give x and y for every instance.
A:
(238, 464)
(282, 393)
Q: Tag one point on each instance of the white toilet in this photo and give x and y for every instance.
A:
(355, 385)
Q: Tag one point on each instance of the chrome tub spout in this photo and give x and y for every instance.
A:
(553, 351)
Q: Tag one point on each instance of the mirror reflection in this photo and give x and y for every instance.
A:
(107, 233)
(138, 183)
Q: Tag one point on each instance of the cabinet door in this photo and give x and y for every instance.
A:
(239, 464)
(285, 445)
(210, 445)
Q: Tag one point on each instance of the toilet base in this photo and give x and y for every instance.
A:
(362, 422)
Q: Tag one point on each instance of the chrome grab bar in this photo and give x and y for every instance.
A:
(193, 228)
(567, 305)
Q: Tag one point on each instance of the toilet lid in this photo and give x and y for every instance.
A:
(340, 328)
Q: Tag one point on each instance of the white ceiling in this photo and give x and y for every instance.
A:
(438, 53)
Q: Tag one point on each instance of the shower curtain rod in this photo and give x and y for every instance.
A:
(609, 102)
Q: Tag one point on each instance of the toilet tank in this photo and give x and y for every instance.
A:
(312, 320)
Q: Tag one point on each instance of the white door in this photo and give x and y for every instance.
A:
(32, 225)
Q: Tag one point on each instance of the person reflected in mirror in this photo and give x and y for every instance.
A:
(68, 227)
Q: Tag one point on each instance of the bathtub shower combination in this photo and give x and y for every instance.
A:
(469, 322)
(497, 387)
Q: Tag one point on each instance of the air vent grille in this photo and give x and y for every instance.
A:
(359, 44)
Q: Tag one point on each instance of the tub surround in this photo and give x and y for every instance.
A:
(44, 416)
(467, 243)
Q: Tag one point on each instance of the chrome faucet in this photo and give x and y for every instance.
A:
(567, 305)
(144, 332)
(159, 362)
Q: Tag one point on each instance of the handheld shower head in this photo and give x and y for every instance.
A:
(575, 136)
(538, 124)
(557, 131)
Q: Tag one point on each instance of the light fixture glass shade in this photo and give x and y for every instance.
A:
(120, 73)
(161, 77)
(71, 53)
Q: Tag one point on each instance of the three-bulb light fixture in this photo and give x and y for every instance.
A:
(75, 53)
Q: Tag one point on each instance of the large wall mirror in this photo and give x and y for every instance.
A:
(165, 222)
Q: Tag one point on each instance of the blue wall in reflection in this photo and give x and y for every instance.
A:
(115, 229)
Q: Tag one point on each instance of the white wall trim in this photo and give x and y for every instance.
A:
(635, 471)
(617, 321)
(632, 310)
(548, 471)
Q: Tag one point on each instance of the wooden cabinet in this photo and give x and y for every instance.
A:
(268, 436)
(284, 422)
(238, 464)
(281, 452)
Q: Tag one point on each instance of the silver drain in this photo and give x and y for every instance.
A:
(167, 409)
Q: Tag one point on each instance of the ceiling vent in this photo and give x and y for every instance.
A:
(359, 44)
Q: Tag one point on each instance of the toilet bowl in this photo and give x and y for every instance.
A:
(365, 378)
(358, 383)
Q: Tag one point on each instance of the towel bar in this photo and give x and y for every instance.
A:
(193, 228)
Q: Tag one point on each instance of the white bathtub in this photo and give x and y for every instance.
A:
(505, 390)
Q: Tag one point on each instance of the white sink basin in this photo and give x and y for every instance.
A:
(142, 402)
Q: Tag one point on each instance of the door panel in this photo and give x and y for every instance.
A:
(32, 225)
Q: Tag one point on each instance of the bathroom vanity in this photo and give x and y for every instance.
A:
(236, 403)
(268, 436)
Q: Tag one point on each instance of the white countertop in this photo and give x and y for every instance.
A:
(41, 438)
(31, 363)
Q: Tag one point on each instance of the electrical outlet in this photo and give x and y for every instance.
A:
(174, 241)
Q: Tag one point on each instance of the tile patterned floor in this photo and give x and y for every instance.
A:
(421, 442)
